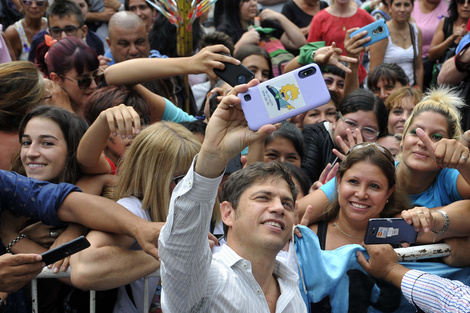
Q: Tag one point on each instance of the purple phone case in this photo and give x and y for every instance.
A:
(283, 97)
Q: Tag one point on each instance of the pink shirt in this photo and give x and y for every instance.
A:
(428, 22)
(4, 53)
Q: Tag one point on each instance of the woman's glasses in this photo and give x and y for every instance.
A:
(84, 83)
(382, 149)
(28, 3)
(367, 132)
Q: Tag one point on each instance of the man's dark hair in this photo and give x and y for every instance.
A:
(63, 8)
(216, 38)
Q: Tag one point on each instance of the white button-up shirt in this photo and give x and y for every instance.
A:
(195, 281)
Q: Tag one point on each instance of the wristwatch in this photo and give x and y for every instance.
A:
(3, 305)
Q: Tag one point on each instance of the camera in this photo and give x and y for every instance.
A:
(241, 79)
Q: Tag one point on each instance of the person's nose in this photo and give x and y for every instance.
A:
(405, 116)
(361, 192)
(277, 207)
(133, 50)
(63, 34)
(33, 151)
(383, 94)
(259, 75)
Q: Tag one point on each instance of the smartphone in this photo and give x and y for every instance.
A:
(377, 31)
(234, 74)
(284, 96)
(65, 250)
(389, 230)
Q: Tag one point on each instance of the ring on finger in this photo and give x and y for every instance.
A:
(464, 158)
(54, 233)
(420, 212)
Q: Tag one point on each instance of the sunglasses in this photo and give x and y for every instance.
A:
(367, 132)
(85, 83)
(69, 30)
(382, 149)
(463, 1)
(30, 2)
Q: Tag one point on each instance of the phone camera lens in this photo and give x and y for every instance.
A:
(307, 72)
(380, 29)
(241, 79)
(374, 32)
(247, 97)
(372, 232)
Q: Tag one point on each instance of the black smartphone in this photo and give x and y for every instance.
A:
(234, 74)
(65, 250)
(390, 231)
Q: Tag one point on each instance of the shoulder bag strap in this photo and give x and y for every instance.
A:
(413, 38)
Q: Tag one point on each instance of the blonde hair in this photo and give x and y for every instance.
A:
(394, 100)
(21, 89)
(442, 100)
(149, 165)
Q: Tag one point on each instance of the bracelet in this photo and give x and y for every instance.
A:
(460, 65)
(446, 223)
(14, 241)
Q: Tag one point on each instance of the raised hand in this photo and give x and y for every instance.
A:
(227, 134)
(122, 120)
(332, 55)
(326, 175)
(445, 152)
(353, 45)
(346, 146)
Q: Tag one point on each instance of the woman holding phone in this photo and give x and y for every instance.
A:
(434, 170)
(404, 45)
(330, 25)
(366, 188)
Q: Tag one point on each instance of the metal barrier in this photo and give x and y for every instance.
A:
(404, 254)
(48, 273)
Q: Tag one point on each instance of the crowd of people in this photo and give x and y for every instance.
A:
(106, 132)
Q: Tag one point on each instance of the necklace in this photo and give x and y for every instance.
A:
(339, 228)
(404, 37)
(344, 26)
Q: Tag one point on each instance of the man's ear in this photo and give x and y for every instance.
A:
(85, 31)
(227, 213)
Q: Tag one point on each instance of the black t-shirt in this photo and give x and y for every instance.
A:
(297, 16)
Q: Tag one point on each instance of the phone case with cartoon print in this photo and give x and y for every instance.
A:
(284, 96)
